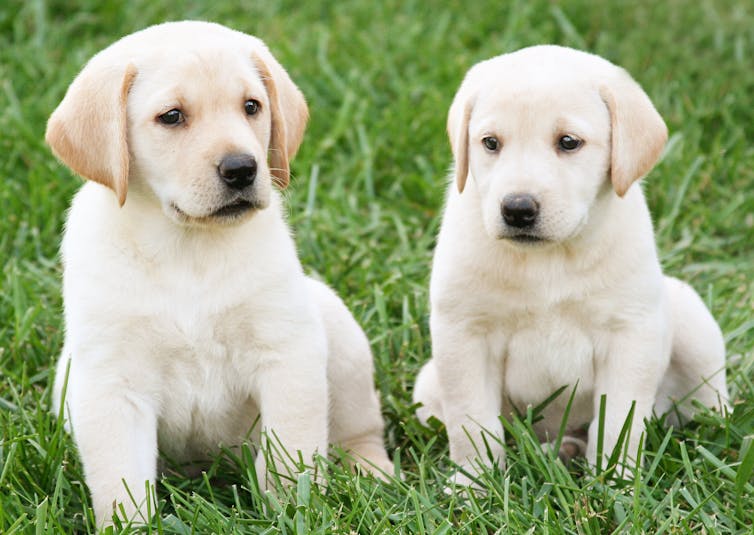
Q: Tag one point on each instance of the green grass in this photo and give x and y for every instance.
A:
(365, 204)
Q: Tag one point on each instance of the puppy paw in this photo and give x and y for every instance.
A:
(470, 478)
(372, 459)
(460, 484)
(571, 447)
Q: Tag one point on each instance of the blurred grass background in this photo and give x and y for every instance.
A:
(364, 203)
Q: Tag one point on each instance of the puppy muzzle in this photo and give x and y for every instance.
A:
(237, 171)
(519, 210)
(520, 215)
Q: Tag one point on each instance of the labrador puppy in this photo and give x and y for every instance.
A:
(188, 315)
(546, 273)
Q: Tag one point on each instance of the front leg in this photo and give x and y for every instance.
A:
(115, 429)
(631, 371)
(470, 378)
(291, 391)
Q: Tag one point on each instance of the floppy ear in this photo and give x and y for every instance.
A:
(638, 132)
(458, 133)
(289, 114)
(459, 142)
(87, 131)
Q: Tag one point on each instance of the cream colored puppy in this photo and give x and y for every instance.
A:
(187, 312)
(545, 272)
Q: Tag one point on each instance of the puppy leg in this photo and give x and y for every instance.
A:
(291, 392)
(470, 377)
(697, 362)
(356, 419)
(427, 392)
(630, 373)
(115, 430)
(356, 422)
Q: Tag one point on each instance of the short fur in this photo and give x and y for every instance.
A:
(578, 298)
(185, 322)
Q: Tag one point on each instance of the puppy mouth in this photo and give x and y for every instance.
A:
(233, 209)
(527, 239)
(228, 213)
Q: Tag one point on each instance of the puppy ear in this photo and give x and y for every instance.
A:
(458, 132)
(638, 132)
(289, 113)
(87, 131)
(459, 142)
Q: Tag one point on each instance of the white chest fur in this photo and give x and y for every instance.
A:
(548, 313)
(189, 317)
(551, 351)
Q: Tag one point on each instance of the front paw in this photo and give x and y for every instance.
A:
(131, 507)
(571, 447)
(462, 481)
(277, 473)
(366, 457)
(472, 476)
(378, 466)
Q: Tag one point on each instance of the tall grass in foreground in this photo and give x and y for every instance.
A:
(365, 204)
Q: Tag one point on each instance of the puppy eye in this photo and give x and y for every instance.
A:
(491, 143)
(171, 117)
(569, 143)
(252, 106)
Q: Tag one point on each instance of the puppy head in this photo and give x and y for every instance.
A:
(545, 133)
(185, 113)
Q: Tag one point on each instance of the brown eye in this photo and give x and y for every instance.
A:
(569, 143)
(491, 143)
(172, 117)
(252, 106)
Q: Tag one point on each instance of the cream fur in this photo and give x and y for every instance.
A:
(184, 325)
(587, 304)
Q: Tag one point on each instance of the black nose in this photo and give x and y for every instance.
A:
(519, 210)
(238, 170)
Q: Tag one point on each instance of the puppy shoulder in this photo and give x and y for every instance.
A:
(462, 248)
(92, 211)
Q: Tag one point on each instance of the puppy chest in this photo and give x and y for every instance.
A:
(205, 403)
(208, 372)
(545, 356)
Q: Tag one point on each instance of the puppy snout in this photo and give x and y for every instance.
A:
(238, 170)
(520, 210)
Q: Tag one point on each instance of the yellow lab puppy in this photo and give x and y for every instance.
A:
(187, 311)
(545, 272)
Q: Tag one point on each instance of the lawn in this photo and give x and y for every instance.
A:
(365, 203)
